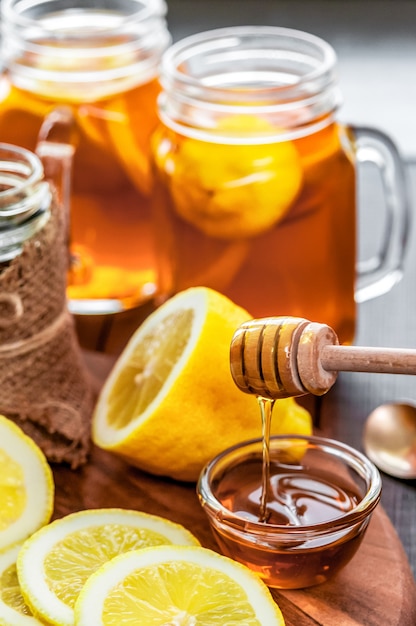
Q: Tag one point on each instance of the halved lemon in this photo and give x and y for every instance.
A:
(175, 586)
(170, 404)
(54, 563)
(26, 485)
(13, 609)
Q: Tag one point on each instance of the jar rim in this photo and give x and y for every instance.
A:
(10, 12)
(230, 37)
(34, 167)
(57, 47)
(285, 76)
(25, 198)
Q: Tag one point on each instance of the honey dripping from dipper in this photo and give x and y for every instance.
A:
(275, 358)
(283, 491)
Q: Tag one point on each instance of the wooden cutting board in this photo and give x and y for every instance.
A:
(376, 588)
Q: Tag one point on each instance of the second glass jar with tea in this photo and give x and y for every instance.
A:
(256, 193)
(84, 73)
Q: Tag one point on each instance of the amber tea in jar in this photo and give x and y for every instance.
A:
(256, 179)
(98, 63)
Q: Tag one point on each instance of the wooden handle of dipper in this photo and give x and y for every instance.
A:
(278, 357)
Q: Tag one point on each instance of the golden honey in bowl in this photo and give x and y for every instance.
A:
(321, 495)
(296, 498)
(98, 63)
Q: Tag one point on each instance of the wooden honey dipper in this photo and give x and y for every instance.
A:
(278, 357)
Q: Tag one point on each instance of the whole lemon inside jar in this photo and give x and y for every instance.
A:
(230, 191)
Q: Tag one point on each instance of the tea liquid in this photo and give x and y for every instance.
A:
(272, 226)
(110, 229)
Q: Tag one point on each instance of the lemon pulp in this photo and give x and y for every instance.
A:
(178, 593)
(148, 368)
(10, 592)
(12, 491)
(176, 586)
(13, 609)
(71, 561)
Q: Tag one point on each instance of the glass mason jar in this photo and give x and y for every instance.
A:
(25, 202)
(256, 188)
(85, 74)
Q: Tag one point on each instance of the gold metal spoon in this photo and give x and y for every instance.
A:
(389, 439)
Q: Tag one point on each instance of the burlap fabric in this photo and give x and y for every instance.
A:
(44, 386)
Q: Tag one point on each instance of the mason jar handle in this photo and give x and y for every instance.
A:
(379, 273)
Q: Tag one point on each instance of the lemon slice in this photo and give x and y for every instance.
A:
(170, 404)
(55, 562)
(129, 148)
(131, 120)
(13, 610)
(233, 191)
(175, 586)
(26, 485)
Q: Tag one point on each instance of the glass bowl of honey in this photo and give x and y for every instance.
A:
(295, 510)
